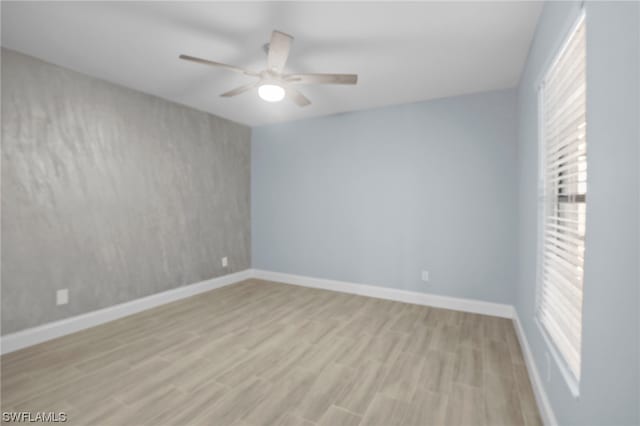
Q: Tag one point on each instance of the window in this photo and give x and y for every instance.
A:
(563, 179)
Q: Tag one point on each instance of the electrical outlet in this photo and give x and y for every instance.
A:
(225, 262)
(425, 276)
(62, 296)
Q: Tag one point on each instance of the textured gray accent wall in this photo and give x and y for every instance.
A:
(111, 193)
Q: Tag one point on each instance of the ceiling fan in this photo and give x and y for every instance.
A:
(273, 84)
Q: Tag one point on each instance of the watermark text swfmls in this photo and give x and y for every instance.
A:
(36, 417)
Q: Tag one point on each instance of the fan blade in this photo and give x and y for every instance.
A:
(297, 97)
(239, 90)
(279, 47)
(217, 64)
(322, 78)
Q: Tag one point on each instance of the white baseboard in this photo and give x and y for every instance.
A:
(417, 298)
(22, 339)
(546, 412)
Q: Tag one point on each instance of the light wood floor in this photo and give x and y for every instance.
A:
(261, 353)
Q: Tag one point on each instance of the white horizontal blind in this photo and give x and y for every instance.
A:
(564, 168)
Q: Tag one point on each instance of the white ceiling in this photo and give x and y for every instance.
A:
(403, 52)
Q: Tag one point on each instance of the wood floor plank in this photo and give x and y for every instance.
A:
(402, 376)
(497, 358)
(131, 353)
(438, 371)
(26, 385)
(427, 409)
(245, 370)
(189, 405)
(465, 406)
(445, 337)
(136, 377)
(420, 340)
(312, 331)
(385, 411)
(57, 395)
(386, 345)
(370, 324)
(502, 404)
(404, 323)
(101, 414)
(352, 355)
(262, 353)
(471, 330)
(288, 359)
(150, 410)
(319, 356)
(360, 391)
(136, 387)
(469, 367)
(528, 403)
(292, 420)
(234, 405)
(324, 392)
(495, 328)
(283, 398)
(514, 346)
(336, 416)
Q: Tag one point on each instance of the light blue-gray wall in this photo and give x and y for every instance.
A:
(609, 393)
(377, 196)
(111, 193)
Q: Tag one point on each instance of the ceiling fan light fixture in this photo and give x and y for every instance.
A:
(272, 80)
(271, 92)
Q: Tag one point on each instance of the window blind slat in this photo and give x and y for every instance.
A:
(571, 234)
(564, 218)
(567, 156)
(555, 303)
(569, 163)
(565, 341)
(566, 147)
(569, 351)
(571, 54)
(565, 257)
(559, 177)
(565, 113)
(567, 295)
(561, 267)
(563, 321)
(572, 288)
(571, 248)
(565, 288)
